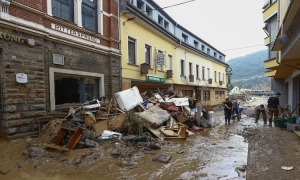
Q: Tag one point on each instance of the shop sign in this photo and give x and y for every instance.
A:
(155, 79)
(74, 33)
(160, 59)
(10, 37)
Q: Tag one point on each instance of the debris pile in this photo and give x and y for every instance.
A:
(130, 119)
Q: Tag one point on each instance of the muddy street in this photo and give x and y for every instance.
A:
(219, 152)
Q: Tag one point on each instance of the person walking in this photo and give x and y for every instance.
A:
(227, 110)
(273, 105)
(236, 105)
(260, 108)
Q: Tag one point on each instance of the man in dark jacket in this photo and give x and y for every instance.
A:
(273, 105)
(227, 110)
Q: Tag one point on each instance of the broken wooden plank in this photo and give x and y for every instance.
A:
(59, 148)
(100, 127)
(75, 139)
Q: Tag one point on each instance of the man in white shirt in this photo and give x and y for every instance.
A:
(260, 108)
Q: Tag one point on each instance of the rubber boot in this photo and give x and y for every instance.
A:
(265, 121)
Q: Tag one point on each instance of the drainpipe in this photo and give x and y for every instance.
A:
(277, 54)
(120, 64)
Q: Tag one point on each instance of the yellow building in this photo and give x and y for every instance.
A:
(158, 53)
(283, 39)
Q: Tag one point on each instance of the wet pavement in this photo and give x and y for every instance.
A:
(215, 153)
(219, 152)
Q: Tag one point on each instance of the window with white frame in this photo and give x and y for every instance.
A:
(215, 76)
(182, 67)
(160, 66)
(223, 78)
(84, 13)
(184, 37)
(196, 44)
(208, 73)
(203, 73)
(149, 11)
(208, 51)
(89, 14)
(160, 20)
(131, 50)
(148, 50)
(140, 4)
(191, 68)
(170, 62)
(219, 76)
(63, 9)
(197, 72)
(202, 48)
(166, 25)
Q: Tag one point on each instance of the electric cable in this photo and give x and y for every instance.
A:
(243, 47)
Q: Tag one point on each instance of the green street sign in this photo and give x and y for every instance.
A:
(156, 79)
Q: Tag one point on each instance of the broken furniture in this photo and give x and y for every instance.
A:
(59, 141)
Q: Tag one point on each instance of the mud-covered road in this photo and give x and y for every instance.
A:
(215, 153)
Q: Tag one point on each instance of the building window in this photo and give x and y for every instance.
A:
(202, 48)
(63, 9)
(184, 37)
(215, 55)
(160, 20)
(182, 67)
(196, 44)
(219, 95)
(215, 76)
(191, 68)
(223, 78)
(166, 25)
(170, 62)
(197, 71)
(148, 54)
(203, 73)
(187, 93)
(89, 14)
(149, 11)
(219, 76)
(208, 73)
(220, 58)
(206, 95)
(208, 51)
(140, 4)
(160, 66)
(131, 50)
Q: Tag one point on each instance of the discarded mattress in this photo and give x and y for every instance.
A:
(129, 98)
(155, 115)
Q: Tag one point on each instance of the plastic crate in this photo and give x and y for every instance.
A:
(291, 127)
(281, 123)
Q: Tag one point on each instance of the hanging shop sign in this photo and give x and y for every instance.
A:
(160, 59)
(74, 33)
(155, 79)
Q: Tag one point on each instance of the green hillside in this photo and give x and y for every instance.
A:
(248, 71)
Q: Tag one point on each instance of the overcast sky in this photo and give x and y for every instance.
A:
(224, 24)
